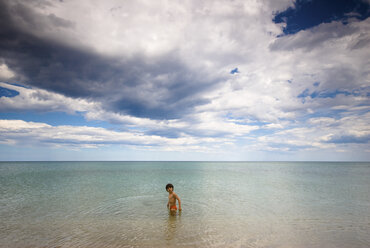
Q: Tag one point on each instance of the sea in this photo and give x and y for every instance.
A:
(224, 204)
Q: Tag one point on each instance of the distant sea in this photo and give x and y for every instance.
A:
(225, 204)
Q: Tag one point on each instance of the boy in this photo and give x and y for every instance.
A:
(172, 199)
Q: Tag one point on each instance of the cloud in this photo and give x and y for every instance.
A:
(321, 133)
(156, 87)
(324, 33)
(163, 69)
(153, 60)
(5, 72)
(39, 100)
(200, 125)
(18, 132)
(15, 131)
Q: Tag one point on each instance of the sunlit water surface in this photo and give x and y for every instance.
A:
(245, 204)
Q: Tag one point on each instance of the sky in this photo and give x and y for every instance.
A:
(229, 80)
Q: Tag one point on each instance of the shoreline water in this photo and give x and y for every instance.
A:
(225, 204)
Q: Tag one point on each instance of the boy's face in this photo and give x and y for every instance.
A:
(169, 190)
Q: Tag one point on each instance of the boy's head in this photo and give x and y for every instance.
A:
(169, 186)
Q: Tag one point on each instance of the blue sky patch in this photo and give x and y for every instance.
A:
(304, 93)
(54, 119)
(8, 92)
(234, 71)
(309, 13)
(350, 139)
(261, 132)
(328, 94)
(20, 85)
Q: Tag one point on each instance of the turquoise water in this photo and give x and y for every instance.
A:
(225, 204)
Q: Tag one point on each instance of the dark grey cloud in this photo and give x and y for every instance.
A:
(159, 88)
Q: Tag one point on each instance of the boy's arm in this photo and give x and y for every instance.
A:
(178, 199)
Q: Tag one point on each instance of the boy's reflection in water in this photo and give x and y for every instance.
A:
(173, 222)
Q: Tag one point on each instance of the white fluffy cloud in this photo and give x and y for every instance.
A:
(152, 28)
(38, 100)
(30, 99)
(5, 72)
(205, 131)
(17, 132)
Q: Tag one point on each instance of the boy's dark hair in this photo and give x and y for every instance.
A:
(169, 186)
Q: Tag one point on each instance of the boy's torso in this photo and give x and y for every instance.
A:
(171, 199)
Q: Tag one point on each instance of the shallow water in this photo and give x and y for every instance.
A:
(225, 204)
